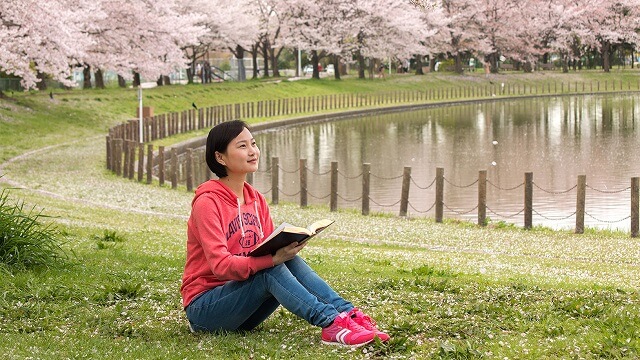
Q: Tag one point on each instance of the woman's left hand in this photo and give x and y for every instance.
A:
(287, 253)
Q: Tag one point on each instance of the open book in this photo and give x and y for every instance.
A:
(285, 234)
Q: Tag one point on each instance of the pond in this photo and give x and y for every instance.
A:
(555, 138)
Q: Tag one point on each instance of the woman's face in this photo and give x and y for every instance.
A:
(242, 154)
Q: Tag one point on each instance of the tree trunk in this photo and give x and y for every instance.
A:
(458, 64)
(189, 75)
(42, 84)
(136, 79)
(565, 63)
(99, 76)
(336, 66)
(493, 60)
(274, 55)
(606, 49)
(315, 60)
(265, 55)
(361, 65)
(159, 81)
(419, 64)
(242, 72)
(86, 75)
(122, 82)
(254, 59)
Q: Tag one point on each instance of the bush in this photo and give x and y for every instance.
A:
(25, 242)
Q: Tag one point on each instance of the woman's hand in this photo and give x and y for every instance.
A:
(287, 253)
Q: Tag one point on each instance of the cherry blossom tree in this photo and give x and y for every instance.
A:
(229, 26)
(560, 29)
(611, 23)
(458, 30)
(40, 37)
(145, 37)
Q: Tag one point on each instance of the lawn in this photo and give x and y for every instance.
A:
(451, 291)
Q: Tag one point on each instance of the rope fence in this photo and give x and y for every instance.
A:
(129, 155)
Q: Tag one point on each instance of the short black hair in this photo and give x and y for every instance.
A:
(218, 140)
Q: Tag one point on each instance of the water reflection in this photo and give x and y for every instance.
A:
(556, 138)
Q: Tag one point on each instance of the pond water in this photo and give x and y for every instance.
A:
(555, 138)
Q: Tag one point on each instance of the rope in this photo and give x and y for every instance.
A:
(347, 177)
(609, 191)
(425, 211)
(555, 192)
(284, 193)
(505, 216)
(423, 188)
(289, 172)
(386, 178)
(504, 189)
(319, 174)
(607, 221)
(459, 186)
(350, 200)
(460, 212)
(555, 217)
(316, 197)
(381, 205)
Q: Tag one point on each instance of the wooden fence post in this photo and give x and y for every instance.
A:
(161, 167)
(580, 203)
(174, 168)
(439, 194)
(125, 164)
(366, 183)
(404, 195)
(303, 183)
(274, 181)
(482, 197)
(635, 202)
(189, 169)
(117, 155)
(149, 163)
(109, 154)
(528, 200)
(334, 186)
(140, 161)
(132, 158)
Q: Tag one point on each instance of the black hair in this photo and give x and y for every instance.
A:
(219, 138)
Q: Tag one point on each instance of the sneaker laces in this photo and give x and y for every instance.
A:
(354, 326)
(363, 318)
(367, 320)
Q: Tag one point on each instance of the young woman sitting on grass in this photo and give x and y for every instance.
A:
(222, 288)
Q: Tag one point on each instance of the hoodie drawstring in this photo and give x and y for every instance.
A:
(255, 206)
(240, 217)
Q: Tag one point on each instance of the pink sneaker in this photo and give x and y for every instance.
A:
(344, 331)
(368, 323)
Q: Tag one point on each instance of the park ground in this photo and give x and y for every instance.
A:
(449, 290)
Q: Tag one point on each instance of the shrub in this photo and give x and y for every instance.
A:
(26, 242)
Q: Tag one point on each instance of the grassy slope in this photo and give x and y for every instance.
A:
(450, 290)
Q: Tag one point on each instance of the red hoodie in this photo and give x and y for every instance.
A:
(220, 232)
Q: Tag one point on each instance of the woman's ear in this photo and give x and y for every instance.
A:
(219, 159)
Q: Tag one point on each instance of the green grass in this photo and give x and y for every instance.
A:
(444, 291)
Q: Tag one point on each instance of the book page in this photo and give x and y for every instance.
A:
(319, 225)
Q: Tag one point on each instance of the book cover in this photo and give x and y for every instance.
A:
(286, 233)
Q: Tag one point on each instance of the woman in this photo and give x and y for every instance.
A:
(222, 288)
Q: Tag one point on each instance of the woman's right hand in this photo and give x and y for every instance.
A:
(287, 253)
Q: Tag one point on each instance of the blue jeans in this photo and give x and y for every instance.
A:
(243, 305)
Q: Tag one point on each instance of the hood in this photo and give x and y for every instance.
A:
(224, 193)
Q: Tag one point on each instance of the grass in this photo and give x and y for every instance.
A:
(444, 291)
